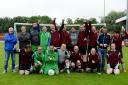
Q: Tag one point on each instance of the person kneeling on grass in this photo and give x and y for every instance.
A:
(64, 63)
(93, 61)
(51, 61)
(113, 60)
(25, 60)
(76, 60)
(38, 60)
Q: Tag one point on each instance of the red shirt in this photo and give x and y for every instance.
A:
(55, 38)
(65, 38)
(82, 39)
(93, 57)
(118, 42)
(76, 56)
(93, 39)
(25, 57)
(113, 57)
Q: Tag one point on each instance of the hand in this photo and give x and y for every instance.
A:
(105, 45)
(63, 20)
(93, 61)
(85, 39)
(101, 44)
(123, 29)
(15, 47)
(49, 58)
(39, 63)
(54, 19)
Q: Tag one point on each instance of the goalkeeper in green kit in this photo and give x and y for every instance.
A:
(51, 61)
(45, 38)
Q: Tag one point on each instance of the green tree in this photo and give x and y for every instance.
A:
(111, 18)
(69, 21)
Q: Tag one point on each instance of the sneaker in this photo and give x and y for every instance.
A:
(4, 71)
(99, 73)
(68, 72)
(41, 72)
(124, 70)
(14, 71)
(62, 70)
(82, 70)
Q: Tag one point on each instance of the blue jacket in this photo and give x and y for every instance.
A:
(104, 39)
(10, 42)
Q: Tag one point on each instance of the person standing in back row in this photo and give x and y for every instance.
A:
(35, 40)
(24, 39)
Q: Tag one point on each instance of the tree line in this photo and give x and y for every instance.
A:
(6, 22)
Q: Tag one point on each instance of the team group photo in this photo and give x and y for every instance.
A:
(47, 47)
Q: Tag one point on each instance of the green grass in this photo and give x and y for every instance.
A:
(61, 79)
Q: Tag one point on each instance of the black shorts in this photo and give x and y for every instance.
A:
(83, 50)
(25, 67)
(92, 65)
(112, 66)
(61, 66)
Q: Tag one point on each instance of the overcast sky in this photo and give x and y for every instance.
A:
(60, 8)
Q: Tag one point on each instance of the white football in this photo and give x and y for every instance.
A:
(109, 71)
(116, 71)
(51, 72)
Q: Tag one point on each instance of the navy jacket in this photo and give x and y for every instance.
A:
(103, 39)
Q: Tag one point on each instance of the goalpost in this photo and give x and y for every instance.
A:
(68, 25)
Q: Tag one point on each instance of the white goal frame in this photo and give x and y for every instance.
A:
(69, 25)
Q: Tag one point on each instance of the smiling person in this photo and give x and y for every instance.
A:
(38, 60)
(25, 60)
(93, 61)
(64, 36)
(74, 37)
(117, 39)
(45, 39)
(51, 61)
(35, 40)
(76, 60)
(93, 36)
(55, 36)
(103, 43)
(24, 39)
(9, 47)
(113, 60)
(64, 63)
(82, 40)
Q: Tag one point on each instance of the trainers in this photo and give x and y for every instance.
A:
(4, 71)
(124, 70)
(99, 73)
(62, 70)
(14, 71)
(68, 71)
(41, 72)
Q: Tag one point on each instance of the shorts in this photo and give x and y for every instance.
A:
(25, 67)
(83, 50)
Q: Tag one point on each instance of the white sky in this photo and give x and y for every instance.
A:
(61, 9)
